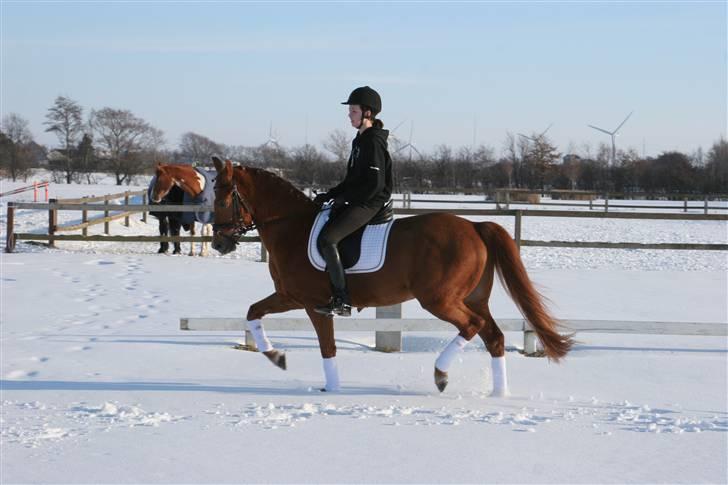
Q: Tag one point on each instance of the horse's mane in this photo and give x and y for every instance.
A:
(275, 182)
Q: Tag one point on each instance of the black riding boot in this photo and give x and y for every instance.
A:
(340, 304)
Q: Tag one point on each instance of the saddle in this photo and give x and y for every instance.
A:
(362, 251)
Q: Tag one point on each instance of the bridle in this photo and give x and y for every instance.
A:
(237, 223)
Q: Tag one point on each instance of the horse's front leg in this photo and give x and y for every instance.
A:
(324, 326)
(192, 243)
(274, 303)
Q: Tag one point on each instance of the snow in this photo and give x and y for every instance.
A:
(99, 385)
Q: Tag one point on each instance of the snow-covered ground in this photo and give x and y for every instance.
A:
(99, 385)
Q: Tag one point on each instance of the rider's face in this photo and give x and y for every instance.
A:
(355, 115)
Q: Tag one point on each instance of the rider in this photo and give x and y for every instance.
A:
(366, 188)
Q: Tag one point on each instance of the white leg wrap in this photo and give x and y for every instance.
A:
(500, 380)
(261, 340)
(332, 374)
(451, 351)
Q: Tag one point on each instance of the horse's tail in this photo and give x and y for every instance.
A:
(514, 278)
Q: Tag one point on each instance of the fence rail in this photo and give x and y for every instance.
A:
(591, 203)
(27, 188)
(388, 331)
(73, 204)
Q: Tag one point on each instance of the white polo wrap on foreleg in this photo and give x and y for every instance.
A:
(500, 380)
(331, 371)
(452, 350)
(261, 340)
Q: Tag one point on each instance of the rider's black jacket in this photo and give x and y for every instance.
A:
(368, 180)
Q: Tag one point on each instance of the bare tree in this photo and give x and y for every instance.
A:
(717, 166)
(125, 141)
(339, 144)
(15, 155)
(64, 119)
(196, 148)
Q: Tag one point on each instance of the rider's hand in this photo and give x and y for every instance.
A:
(321, 198)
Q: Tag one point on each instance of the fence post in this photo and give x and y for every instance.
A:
(685, 209)
(84, 218)
(144, 202)
(706, 204)
(530, 343)
(52, 223)
(126, 202)
(517, 231)
(10, 240)
(606, 202)
(35, 191)
(263, 253)
(388, 341)
(46, 191)
(590, 203)
(508, 199)
(106, 215)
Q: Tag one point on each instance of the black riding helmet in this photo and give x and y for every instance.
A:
(366, 96)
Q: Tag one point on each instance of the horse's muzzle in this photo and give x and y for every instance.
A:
(223, 243)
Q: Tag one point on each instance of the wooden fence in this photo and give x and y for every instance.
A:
(388, 327)
(84, 206)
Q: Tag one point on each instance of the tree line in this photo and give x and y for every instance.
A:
(118, 142)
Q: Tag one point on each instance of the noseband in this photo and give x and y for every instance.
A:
(239, 228)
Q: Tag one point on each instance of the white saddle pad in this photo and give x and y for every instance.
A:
(373, 246)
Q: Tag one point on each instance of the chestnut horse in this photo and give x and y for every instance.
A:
(193, 183)
(444, 261)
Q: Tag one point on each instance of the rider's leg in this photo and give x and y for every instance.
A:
(346, 222)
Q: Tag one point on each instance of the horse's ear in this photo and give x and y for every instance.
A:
(229, 167)
(218, 163)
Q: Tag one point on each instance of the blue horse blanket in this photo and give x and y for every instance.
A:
(206, 198)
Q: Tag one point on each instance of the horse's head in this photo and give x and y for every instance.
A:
(233, 214)
(163, 183)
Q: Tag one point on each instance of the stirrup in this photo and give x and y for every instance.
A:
(335, 306)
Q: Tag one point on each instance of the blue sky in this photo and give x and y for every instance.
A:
(228, 70)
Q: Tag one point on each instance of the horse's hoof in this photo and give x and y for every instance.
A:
(440, 379)
(162, 251)
(277, 357)
(176, 252)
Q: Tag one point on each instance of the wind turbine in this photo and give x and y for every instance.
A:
(613, 134)
(272, 141)
(409, 143)
(537, 137)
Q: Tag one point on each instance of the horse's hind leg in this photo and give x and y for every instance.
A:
(192, 243)
(467, 322)
(206, 231)
(495, 344)
(324, 326)
(491, 335)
